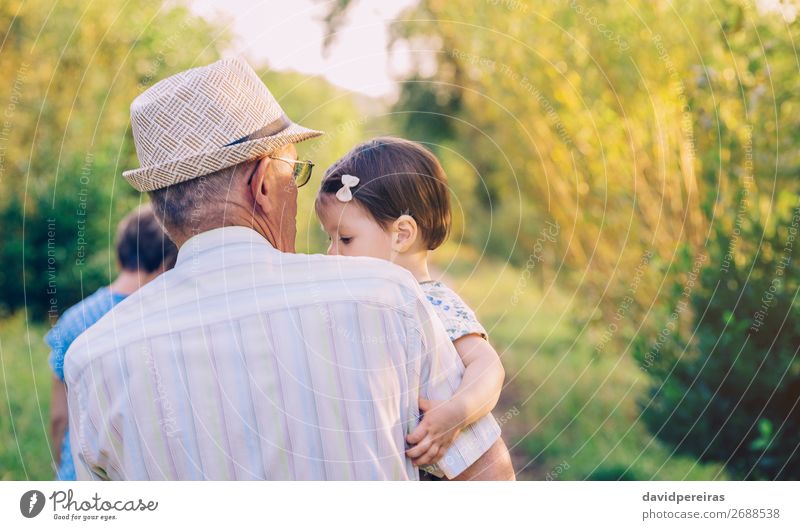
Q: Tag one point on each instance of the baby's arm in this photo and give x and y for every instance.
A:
(483, 379)
(475, 397)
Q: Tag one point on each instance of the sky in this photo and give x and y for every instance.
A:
(288, 34)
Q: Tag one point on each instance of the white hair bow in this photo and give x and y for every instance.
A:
(344, 194)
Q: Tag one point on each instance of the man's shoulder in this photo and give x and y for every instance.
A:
(180, 299)
(114, 330)
(357, 267)
(363, 277)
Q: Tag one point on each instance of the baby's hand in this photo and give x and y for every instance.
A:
(440, 425)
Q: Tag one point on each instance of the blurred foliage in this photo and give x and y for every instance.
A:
(25, 380)
(726, 387)
(632, 127)
(70, 72)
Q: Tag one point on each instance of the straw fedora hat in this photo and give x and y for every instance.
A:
(203, 120)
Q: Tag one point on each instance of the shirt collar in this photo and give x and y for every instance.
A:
(217, 238)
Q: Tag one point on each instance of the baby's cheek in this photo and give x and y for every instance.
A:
(348, 250)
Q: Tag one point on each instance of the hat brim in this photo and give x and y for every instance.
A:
(176, 171)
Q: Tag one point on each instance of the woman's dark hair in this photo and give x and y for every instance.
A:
(142, 244)
(396, 177)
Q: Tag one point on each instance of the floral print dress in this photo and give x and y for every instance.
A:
(455, 314)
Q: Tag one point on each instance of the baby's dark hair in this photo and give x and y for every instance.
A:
(396, 177)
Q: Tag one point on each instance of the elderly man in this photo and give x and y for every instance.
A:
(247, 361)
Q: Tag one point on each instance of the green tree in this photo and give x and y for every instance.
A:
(631, 126)
(725, 367)
(71, 71)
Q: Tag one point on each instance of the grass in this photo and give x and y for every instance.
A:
(25, 377)
(567, 412)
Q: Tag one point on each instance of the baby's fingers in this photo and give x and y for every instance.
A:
(425, 404)
(419, 449)
(417, 434)
(430, 457)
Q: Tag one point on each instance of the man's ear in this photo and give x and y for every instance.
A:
(404, 231)
(258, 184)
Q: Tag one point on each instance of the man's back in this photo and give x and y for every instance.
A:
(247, 363)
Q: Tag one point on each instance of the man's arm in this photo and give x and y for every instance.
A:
(494, 464)
(84, 470)
(81, 431)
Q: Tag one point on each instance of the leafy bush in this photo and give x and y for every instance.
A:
(726, 388)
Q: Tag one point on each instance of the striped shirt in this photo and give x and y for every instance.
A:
(72, 323)
(244, 362)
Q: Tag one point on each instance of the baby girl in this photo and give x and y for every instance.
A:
(388, 198)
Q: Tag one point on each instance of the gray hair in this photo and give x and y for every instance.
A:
(187, 207)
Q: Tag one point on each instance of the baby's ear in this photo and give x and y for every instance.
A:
(404, 233)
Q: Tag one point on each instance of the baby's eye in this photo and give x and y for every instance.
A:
(345, 240)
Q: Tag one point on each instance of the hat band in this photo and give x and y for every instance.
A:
(270, 129)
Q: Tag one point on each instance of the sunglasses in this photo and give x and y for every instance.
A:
(301, 170)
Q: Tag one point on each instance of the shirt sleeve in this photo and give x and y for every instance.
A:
(441, 374)
(58, 348)
(458, 318)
